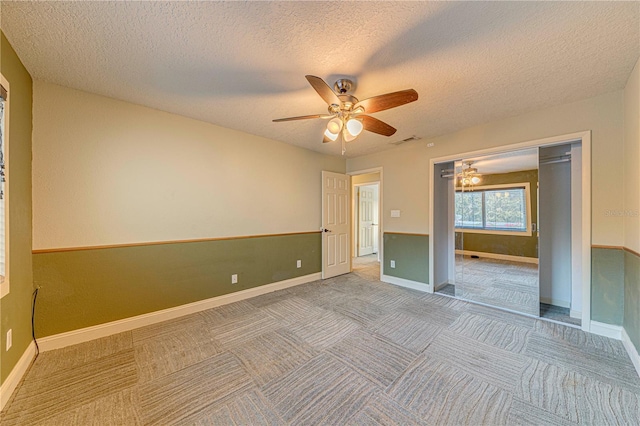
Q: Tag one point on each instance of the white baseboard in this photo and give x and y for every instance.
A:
(498, 256)
(606, 330)
(575, 314)
(556, 302)
(18, 372)
(415, 285)
(631, 350)
(82, 335)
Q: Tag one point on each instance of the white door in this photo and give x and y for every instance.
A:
(366, 206)
(336, 259)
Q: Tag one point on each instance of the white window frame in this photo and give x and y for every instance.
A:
(4, 284)
(527, 191)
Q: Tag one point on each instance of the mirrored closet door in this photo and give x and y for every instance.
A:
(496, 238)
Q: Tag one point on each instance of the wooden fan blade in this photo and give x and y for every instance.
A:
(390, 100)
(303, 117)
(376, 126)
(323, 90)
(325, 139)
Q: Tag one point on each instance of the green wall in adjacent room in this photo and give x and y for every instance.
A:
(631, 320)
(607, 285)
(513, 245)
(15, 307)
(411, 254)
(89, 287)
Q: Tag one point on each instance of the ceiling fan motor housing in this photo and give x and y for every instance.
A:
(348, 102)
(343, 85)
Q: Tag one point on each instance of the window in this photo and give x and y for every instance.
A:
(4, 230)
(503, 209)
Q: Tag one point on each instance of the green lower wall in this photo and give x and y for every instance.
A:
(89, 287)
(498, 244)
(631, 321)
(607, 285)
(411, 254)
(15, 307)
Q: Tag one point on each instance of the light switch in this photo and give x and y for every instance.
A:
(395, 213)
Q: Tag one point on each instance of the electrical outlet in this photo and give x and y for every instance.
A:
(430, 144)
(234, 279)
(9, 339)
(299, 264)
(393, 263)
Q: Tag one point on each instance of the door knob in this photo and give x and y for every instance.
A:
(326, 230)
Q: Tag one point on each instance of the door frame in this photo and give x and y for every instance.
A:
(380, 211)
(585, 138)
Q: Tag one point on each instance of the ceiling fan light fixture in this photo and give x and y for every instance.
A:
(334, 126)
(354, 127)
(345, 110)
(469, 176)
(332, 136)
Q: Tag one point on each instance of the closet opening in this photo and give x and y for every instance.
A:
(510, 229)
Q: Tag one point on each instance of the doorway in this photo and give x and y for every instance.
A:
(366, 231)
(560, 290)
(508, 252)
(366, 214)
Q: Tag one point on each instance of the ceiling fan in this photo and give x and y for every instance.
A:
(347, 115)
(469, 176)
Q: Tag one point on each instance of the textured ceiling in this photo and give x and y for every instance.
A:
(242, 64)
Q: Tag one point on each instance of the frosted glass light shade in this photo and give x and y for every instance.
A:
(354, 127)
(329, 135)
(334, 126)
(475, 180)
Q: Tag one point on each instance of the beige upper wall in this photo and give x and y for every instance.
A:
(631, 210)
(111, 172)
(406, 168)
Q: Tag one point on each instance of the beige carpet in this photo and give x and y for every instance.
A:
(348, 350)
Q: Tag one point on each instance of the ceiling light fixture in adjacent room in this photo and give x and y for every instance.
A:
(469, 177)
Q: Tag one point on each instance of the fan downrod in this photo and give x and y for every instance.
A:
(343, 85)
